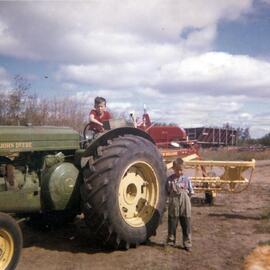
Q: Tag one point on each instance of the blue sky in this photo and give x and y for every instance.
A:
(202, 62)
(248, 35)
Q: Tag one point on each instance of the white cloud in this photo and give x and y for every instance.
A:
(69, 86)
(202, 39)
(212, 73)
(100, 30)
(132, 52)
(246, 116)
(258, 131)
(186, 110)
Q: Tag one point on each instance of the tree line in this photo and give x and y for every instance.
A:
(18, 107)
(265, 140)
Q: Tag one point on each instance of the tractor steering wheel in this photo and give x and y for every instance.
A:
(88, 134)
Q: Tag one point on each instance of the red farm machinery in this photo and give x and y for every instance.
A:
(208, 176)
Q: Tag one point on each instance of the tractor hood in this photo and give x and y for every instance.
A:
(37, 138)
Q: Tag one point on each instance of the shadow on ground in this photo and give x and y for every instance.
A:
(236, 216)
(74, 237)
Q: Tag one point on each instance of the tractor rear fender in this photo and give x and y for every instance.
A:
(109, 135)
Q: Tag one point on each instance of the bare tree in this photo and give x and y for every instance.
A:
(18, 107)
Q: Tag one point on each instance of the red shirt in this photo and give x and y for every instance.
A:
(96, 127)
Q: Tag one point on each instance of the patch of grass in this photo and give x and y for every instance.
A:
(264, 243)
(264, 226)
(266, 214)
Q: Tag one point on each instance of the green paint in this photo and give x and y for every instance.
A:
(23, 139)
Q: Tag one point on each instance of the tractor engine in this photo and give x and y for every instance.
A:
(37, 168)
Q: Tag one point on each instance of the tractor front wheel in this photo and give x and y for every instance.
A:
(10, 242)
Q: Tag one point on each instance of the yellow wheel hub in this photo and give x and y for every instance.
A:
(138, 194)
(6, 248)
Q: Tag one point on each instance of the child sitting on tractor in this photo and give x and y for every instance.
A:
(98, 115)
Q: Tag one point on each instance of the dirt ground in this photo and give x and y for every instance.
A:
(223, 235)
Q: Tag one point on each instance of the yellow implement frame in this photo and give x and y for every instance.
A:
(218, 176)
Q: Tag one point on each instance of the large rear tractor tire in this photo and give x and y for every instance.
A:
(10, 242)
(124, 198)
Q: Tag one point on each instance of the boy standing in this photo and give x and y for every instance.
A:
(179, 189)
(98, 115)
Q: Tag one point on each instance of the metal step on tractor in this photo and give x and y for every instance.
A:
(50, 174)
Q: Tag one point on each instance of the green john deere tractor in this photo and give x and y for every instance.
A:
(51, 174)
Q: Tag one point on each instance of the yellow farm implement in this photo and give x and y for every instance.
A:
(211, 177)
